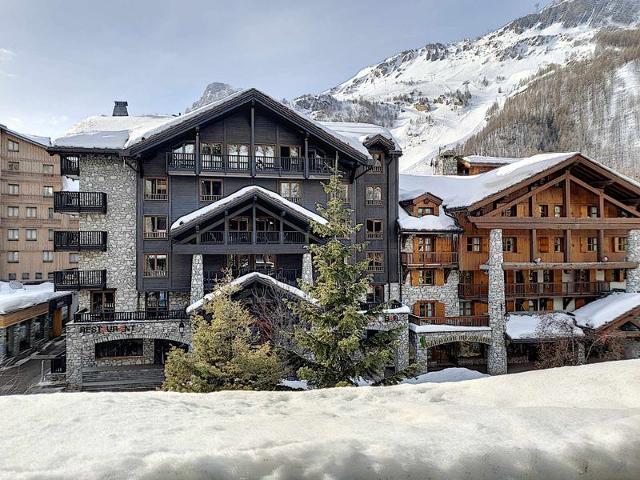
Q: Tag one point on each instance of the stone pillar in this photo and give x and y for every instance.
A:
(307, 268)
(3, 345)
(633, 255)
(148, 350)
(197, 278)
(402, 350)
(74, 343)
(581, 354)
(497, 355)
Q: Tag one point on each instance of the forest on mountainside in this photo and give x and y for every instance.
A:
(592, 106)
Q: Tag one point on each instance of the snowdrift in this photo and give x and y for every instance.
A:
(561, 423)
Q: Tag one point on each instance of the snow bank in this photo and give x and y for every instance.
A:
(536, 326)
(559, 423)
(445, 376)
(30, 295)
(605, 310)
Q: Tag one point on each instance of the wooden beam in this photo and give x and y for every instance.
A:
(531, 194)
(567, 197)
(567, 245)
(533, 247)
(602, 183)
(607, 197)
(553, 223)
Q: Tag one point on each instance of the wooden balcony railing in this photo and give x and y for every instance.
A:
(565, 289)
(75, 241)
(70, 166)
(79, 279)
(135, 316)
(79, 202)
(181, 161)
(471, 291)
(279, 165)
(430, 258)
(461, 321)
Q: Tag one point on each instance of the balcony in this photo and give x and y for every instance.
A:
(565, 289)
(135, 316)
(473, 291)
(79, 202)
(246, 238)
(74, 241)
(462, 321)
(80, 279)
(430, 258)
(241, 164)
(70, 166)
(286, 275)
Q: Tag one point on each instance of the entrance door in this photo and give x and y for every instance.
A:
(57, 322)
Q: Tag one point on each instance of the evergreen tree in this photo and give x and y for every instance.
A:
(331, 344)
(224, 355)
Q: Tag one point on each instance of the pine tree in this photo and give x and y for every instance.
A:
(331, 344)
(224, 355)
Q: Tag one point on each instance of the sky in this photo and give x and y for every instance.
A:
(64, 60)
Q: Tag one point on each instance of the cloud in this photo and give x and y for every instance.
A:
(6, 56)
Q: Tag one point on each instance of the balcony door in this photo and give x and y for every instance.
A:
(103, 301)
(242, 264)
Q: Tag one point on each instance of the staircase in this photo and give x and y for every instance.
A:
(134, 378)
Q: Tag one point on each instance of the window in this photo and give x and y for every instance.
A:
(558, 211)
(13, 257)
(291, 151)
(375, 293)
(188, 148)
(14, 166)
(32, 212)
(344, 194)
(13, 146)
(119, 348)
(210, 190)
(474, 244)
(512, 211)
(47, 256)
(155, 265)
(374, 195)
(558, 244)
(426, 277)
(292, 191)
(14, 189)
(422, 211)
(74, 258)
(47, 191)
(38, 275)
(543, 244)
(377, 162)
(103, 301)
(155, 226)
(12, 276)
(619, 275)
(509, 244)
(51, 234)
(25, 276)
(238, 156)
(32, 234)
(543, 210)
(374, 230)
(156, 301)
(375, 260)
(50, 276)
(547, 276)
(13, 234)
(466, 309)
(13, 212)
(592, 244)
(47, 169)
(593, 211)
(426, 309)
(426, 244)
(620, 244)
(155, 188)
(50, 212)
(211, 154)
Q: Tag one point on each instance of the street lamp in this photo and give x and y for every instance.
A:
(181, 328)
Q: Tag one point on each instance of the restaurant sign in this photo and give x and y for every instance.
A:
(108, 328)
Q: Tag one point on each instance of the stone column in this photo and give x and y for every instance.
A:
(197, 278)
(307, 268)
(633, 255)
(3, 346)
(74, 342)
(497, 355)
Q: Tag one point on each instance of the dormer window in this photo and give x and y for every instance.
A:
(422, 211)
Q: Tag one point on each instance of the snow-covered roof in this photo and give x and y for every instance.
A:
(37, 139)
(427, 223)
(28, 296)
(214, 207)
(537, 326)
(463, 191)
(360, 133)
(445, 328)
(481, 159)
(247, 280)
(605, 310)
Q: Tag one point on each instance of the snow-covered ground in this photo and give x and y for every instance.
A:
(574, 422)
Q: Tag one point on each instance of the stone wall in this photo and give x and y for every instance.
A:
(3, 346)
(422, 342)
(197, 278)
(82, 337)
(497, 354)
(307, 268)
(446, 294)
(633, 255)
(384, 322)
(118, 181)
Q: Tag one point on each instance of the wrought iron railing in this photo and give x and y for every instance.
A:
(134, 316)
(75, 241)
(79, 279)
(79, 202)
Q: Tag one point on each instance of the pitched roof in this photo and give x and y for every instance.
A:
(606, 310)
(36, 139)
(483, 160)
(244, 193)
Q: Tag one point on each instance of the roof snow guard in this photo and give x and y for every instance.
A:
(245, 193)
(134, 134)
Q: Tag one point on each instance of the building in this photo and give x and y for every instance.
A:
(552, 232)
(30, 315)
(29, 179)
(168, 203)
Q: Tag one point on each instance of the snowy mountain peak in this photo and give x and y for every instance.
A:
(213, 92)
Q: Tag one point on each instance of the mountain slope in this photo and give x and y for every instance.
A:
(443, 92)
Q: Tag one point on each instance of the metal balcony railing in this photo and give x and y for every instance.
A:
(79, 202)
(75, 241)
(79, 279)
(134, 316)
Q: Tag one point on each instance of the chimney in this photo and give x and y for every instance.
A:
(120, 109)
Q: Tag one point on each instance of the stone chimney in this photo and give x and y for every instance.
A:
(120, 109)
(446, 163)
